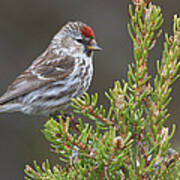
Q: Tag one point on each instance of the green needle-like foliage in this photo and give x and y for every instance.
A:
(129, 140)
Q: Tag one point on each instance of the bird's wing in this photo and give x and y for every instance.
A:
(38, 76)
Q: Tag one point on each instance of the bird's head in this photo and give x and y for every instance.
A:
(77, 37)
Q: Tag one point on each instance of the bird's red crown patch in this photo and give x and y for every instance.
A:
(87, 31)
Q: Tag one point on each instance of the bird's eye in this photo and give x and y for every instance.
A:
(79, 40)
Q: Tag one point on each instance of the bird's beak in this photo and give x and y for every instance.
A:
(93, 46)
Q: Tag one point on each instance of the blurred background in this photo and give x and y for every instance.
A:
(26, 27)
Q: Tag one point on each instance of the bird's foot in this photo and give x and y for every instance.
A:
(57, 115)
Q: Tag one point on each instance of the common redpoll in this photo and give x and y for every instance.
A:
(64, 71)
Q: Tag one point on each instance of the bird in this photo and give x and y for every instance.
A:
(62, 72)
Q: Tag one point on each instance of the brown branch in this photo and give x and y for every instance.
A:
(92, 112)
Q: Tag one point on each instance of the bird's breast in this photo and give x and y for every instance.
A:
(84, 73)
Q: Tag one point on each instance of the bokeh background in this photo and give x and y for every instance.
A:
(26, 28)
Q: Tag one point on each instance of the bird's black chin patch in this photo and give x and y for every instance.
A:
(88, 52)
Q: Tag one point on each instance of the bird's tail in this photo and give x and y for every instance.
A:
(9, 107)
